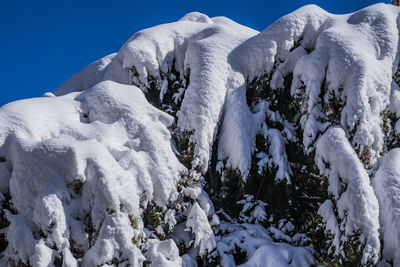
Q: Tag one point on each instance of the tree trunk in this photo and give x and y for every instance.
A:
(395, 2)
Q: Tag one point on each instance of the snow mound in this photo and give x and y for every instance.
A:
(80, 156)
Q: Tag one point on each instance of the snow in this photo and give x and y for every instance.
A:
(386, 183)
(256, 208)
(277, 154)
(163, 253)
(199, 46)
(99, 147)
(258, 243)
(349, 183)
(83, 164)
(89, 76)
(220, 55)
(201, 49)
(352, 58)
(326, 210)
(22, 245)
(43, 255)
(196, 16)
(261, 250)
(197, 223)
(357, 52)
(114, 241)
(278, 256)
(201, 197)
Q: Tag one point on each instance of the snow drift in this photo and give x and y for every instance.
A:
(112, 168)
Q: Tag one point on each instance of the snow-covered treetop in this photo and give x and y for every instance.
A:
(352, 57)
(81, 167)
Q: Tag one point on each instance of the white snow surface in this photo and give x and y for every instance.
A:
(357, 205)
(199, 46)
(163, 253)
(95, 149)
(261, 249)
(352, 58)
(85, 153)
(197, 223)
(386, 184)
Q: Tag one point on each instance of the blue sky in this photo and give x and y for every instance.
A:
(43, 43)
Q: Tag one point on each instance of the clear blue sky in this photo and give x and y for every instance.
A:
(43, 43)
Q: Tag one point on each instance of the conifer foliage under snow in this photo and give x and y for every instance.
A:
(205, 142)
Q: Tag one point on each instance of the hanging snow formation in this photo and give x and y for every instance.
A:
(111, 167)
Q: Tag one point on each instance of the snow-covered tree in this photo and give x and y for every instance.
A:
(206, 142)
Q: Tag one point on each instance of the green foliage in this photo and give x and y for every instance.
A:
(185, 147)
(153, 217)
(334, 105)
(265, 187)
(239, 256)
(76, 186)
(231, 191)
(353, 252)
(298, 201)
(170, 103)
(389, 120)
(4, 223)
